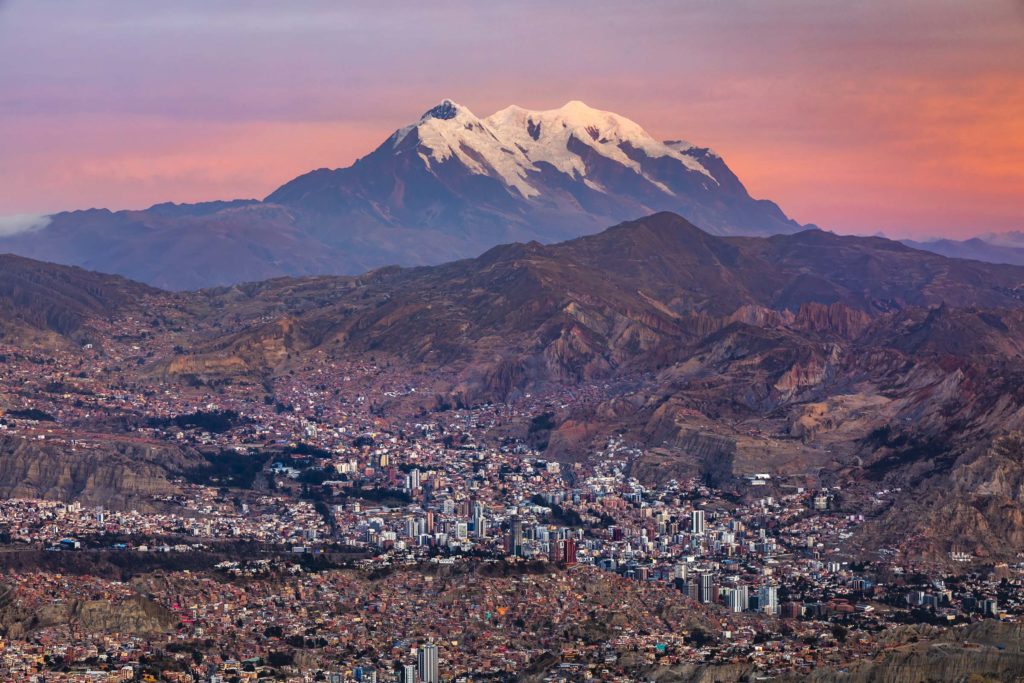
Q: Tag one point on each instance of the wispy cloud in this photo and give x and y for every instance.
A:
(23, 222)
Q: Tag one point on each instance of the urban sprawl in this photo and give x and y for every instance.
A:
(325, 540)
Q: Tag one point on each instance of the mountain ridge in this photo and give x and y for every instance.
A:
(448, 186)
(987, 248)
(45, 298)
(581, 308)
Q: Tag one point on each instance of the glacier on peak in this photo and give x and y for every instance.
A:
(510, 143)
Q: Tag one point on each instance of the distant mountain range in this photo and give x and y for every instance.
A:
(449, 186)
(1006, 247)
(634, 295)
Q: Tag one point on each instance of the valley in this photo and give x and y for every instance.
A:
(745, 431)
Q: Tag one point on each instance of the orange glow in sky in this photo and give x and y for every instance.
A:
(905, 116)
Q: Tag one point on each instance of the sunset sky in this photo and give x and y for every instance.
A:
(901, 116)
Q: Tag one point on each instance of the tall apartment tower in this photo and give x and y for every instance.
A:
(479, 521)
(706, 588)
(428, 664)
(570, 551)
(697, 521)
(768, 599)
(738, 599)
(516, 537)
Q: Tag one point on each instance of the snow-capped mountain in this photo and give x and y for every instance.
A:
(448, 186)
(515, 144)
(544, 175)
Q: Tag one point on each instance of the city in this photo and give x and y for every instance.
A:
(511, 342)
(324, 541)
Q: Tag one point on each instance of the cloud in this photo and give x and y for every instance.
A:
(23, 222)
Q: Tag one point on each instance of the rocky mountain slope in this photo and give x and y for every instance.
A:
(136, 615)
(632, 297)
(448, 186)
(983, 651)
(117, 473)
(45, 299)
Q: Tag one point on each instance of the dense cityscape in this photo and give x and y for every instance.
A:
(325, 540)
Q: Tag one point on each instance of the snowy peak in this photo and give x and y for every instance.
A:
(583, 120)
(444, 111)
(450, 131)
(517, 146)
(522, 173)
(447, 113)
(547, 136)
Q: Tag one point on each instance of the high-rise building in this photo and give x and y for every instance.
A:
(768, 599)
(738, 599)
(697, 522)
(706, 588)
(479, 521)
(516, 537)
(791, 610)
(570, 551)
(407, 674)
(428, 664)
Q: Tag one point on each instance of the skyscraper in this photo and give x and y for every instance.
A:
(768, 599)
(428, 664)
(570, 551)
(706, 588)
(479, 521)
(407, 674)
(697, 521)
(516, 537)
(738, 599)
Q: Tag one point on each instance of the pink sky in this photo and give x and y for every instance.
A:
(904, 116)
